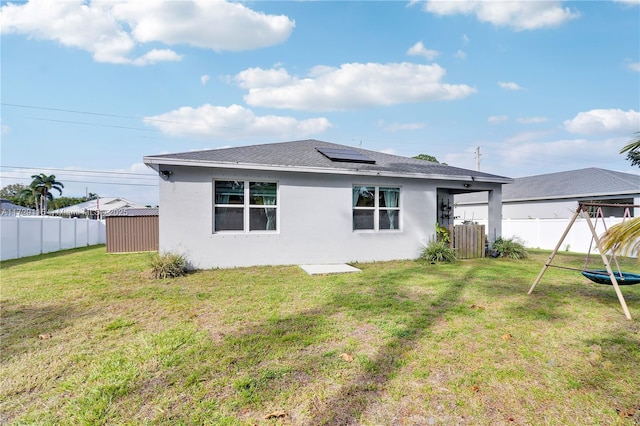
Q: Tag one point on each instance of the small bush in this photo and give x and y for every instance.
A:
(511, 248)
(442, 233)
(438, 251)
(168, 265)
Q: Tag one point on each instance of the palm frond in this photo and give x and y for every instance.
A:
(623, 238)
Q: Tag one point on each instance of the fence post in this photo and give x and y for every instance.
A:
(18, 236)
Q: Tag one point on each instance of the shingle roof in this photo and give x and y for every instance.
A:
(573, 184)
(303, 155)
(104, 203)
(8, 205)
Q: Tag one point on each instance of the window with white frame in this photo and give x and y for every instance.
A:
(245, 206)
(376, 208)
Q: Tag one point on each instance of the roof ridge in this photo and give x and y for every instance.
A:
(620, 175)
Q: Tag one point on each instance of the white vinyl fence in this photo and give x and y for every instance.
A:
(30, 235)
(545, 233)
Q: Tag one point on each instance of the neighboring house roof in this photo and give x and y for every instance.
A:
(304, 156)
(8, 205)
(583, 183)
(152, 211)
(104, 204)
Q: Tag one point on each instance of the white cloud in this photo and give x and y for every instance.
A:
(465, 39)
(204, 79)
(525, 152)
(519, 15)
(630, 2)
(497, 119)
(532, 120)
(418, 49)
(604, 121)
(525, 137)
(509, 85)
(258, 77)
(157, 55)
(113, 31)
(217, 25)
(563, 154)
(634, 66)
(460, 54)
(396, 127)
(351, 86)
(233, 122)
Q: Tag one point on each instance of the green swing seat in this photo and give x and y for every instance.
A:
(602, 277)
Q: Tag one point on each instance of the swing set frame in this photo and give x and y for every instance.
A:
(583, 208)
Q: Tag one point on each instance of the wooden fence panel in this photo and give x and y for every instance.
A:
(468, 240)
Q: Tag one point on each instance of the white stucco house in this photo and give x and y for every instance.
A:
(556, 195)
(307, 202)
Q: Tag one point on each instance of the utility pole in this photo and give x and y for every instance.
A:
(478, 158)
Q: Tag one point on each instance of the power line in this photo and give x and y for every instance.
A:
(69, 110)
(93, 124)
(72, 111)
(87, 181)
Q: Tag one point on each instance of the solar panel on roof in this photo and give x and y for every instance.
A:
(345, 155)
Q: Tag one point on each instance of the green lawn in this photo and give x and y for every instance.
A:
(88, 338)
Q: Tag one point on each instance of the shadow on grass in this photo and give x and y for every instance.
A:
(6, 264)
(281, 355)
(23, 326)
(611, 358)
(421, 313)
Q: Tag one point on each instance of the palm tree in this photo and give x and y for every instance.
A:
(28, 194)
(625, 237)
(633, 150)
(41, 187)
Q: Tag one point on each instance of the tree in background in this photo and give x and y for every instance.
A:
(625, 237)
(426, 157)
(11, 191)
(23, 195)
(41, 187)
(18, 194)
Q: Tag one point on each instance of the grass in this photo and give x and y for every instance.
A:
(90, 338)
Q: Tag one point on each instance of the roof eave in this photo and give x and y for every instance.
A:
(151, 161)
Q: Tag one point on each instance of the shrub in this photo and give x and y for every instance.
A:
(168, 265)
(442, 233)
(510, 247)
(438, 251)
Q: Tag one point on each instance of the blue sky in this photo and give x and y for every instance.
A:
(89, 88)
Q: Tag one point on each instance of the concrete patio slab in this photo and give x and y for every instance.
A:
(328, 269)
